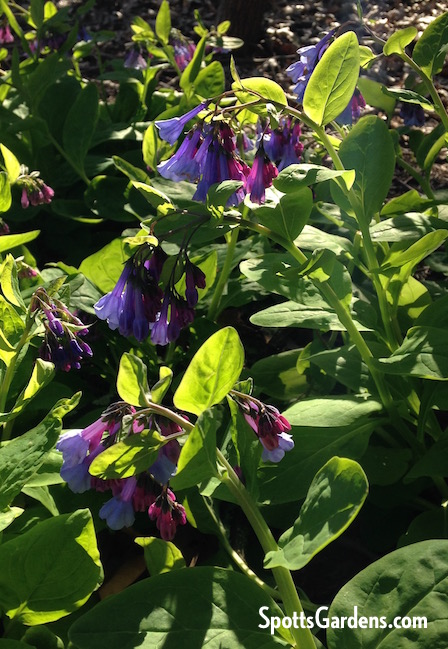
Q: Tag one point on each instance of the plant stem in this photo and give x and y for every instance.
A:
(287, 589)
(10, 370)
(232, 239)
(242, 565)
(440, 108)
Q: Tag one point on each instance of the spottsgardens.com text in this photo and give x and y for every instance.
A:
(321, 620)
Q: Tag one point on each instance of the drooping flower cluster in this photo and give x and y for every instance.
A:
(209, 155)
(138, 306)
(145, 492)
(63, 344)
(33, 190)
(268, 424)
(300, 71)
(184, 49)
(283, 144)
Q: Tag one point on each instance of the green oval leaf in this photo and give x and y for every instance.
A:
(333, 81)
(369, 150)
(132, 380)
(194, 608)
(261, 87)
(396, 43)
(410, 582)
(430, 50)
(51, 570)
(133, 455)
(213, 371)
(333, 501)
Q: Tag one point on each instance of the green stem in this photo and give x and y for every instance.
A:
(438, 104)
(238, 560)
(287, 589)
(10, 371)
(422, 181)
(232, 239)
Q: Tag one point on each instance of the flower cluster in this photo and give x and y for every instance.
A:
(184, 49)
(138, 306)
(283, 144)
(63, 344)
(34, 190)
(5, 34)
(209, 155)
(300, 71)
(146, 492)
(268, 424)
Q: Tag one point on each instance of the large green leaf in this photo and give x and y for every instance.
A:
(411, 582)
(430, 50)
(334, 499)
(424, 353)
(195, 608)
(132, 380)
(369, 150)
(51, 570)
(295, 176)
(80, 124)
(104, 267)
(212, 373)
(321, 428)
(288, 215)
(333, 80)
(22, 457)
(292, 314)
(9, 241)
(197, 461)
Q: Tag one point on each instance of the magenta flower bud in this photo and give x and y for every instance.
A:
(24, 201)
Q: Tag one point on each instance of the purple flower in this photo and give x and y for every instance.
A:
(171, 129)
(118, 512)
(301, 71)
(168, 514)
(5, 34)
(183, 164)
(218, 162)
(269, 425)
(261, 176)
(35, 192)
(194, 277)
(183, 50)
(135, 302)
(412, 114)
(80, 447)
(135, 60)
(283, 145)
(352, 112)
(165, 466)
(175, 314)
(62, 344)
